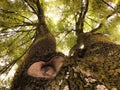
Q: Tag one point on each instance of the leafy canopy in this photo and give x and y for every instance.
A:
(18, 25)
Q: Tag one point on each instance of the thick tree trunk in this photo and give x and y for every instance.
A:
(42, 51)
(97, 64)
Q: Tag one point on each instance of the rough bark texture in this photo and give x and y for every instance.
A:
(101, 60)
(43, 49)
(97, 64)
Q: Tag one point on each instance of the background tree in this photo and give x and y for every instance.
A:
(69, 21)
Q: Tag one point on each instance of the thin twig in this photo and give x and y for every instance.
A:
(88, 24)
(9, 45)
(111, 6)
(27, 41)
(96, 29)
(13, 62)
(64, 36)
(108, 5)
(12, 12)
(31, 7)
(92, 19)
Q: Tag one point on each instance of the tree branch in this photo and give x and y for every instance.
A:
(80, 27)
(12, 12)
(92, 19)
(9, 66)
(41, 16)
(64, 36)
(97, 28)
(108, 5)
(89, 24)
(26, 41)
(82, 14)
(42, 26)
(111, 6)
(31, 7)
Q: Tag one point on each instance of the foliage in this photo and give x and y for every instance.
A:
(18, 22)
